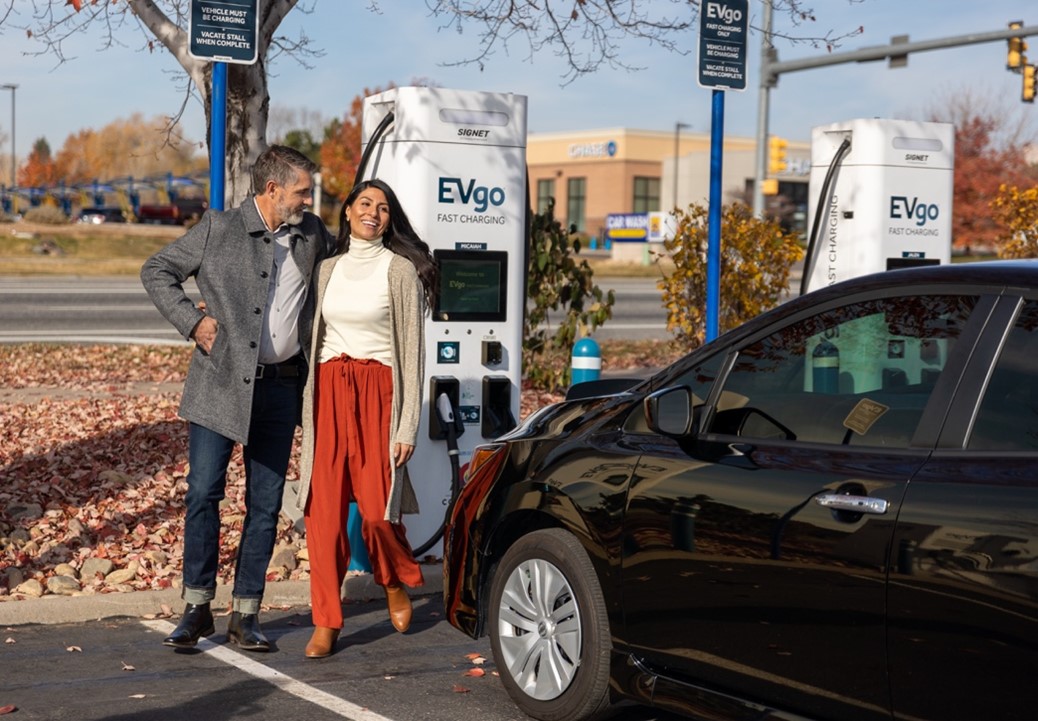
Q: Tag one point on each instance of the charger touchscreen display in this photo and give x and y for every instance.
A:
(473, 285)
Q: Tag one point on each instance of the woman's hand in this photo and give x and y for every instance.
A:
(402, 454)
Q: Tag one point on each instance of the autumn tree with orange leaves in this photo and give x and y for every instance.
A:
(340, 151)
(39, 168)
(130, 147)
(981, 168)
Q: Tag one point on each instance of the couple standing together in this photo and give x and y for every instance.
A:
(281, 296)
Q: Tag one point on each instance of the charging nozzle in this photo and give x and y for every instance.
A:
(445, 409)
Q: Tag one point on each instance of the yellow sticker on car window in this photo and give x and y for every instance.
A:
(863, 415)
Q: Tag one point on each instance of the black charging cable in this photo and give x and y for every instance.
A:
(445, 413)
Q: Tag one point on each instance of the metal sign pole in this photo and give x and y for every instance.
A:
(713, 242)
(218, 140)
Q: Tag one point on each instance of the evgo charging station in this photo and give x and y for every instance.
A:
(457, 161)
(880, 197)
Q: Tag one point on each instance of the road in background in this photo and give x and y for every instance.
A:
(81, 310)
(117, 310)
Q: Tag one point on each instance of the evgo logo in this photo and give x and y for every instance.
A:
(901, 208)
(453, 190)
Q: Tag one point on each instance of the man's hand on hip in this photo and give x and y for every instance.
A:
(204, 333)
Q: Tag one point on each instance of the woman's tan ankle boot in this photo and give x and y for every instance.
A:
(322, 642)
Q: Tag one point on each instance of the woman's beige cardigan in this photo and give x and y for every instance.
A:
(407, 346)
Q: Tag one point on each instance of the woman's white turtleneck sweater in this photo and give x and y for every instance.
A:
(356, 304)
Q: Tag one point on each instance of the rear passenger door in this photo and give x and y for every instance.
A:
(963, 591)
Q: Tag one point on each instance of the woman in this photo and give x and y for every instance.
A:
(361, 405)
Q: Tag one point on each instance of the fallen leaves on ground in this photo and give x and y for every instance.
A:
(93, 475)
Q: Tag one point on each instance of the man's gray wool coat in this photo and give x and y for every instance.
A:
(231, 256)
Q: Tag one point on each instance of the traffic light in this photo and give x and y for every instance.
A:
(1015, 58)
(777, 154)
(1027, 93)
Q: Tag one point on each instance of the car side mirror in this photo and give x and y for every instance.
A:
(669, 411)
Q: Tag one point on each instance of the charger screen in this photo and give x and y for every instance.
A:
(473, 285)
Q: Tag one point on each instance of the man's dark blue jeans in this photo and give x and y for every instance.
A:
(275, 409)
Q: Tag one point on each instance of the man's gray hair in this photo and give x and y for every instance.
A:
(279, 163)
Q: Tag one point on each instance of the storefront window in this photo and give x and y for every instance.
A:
(576, 203)
(545, 194)
(646, 195)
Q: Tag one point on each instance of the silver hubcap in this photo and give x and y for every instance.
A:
(539, 628)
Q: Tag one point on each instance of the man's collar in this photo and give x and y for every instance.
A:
(254, 223)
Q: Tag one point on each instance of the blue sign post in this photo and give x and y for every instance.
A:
(226, 31)
(723, 26)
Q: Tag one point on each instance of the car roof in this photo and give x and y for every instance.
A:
(1011, 273)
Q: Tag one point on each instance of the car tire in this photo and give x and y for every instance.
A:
(548, 628)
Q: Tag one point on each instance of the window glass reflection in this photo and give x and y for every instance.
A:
(1008, 416)
(860, 374)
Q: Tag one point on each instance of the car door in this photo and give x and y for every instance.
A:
(964, 563)
(755, 550)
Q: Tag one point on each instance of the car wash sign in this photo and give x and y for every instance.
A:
(224, 30)
(723, 30)
(627, 227)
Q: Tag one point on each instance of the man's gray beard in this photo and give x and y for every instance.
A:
(295, 219)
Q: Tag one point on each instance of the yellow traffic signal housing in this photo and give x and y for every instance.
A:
(1015, 58)
(769, 186)
(777, 154)
(1027, 93)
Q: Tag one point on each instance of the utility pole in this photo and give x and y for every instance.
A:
(14, 163)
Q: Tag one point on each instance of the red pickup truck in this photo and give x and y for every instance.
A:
(182, 211)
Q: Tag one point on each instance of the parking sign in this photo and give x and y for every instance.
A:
(723, 27)
(224, 30)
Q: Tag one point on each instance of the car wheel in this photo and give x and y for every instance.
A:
(548, 628)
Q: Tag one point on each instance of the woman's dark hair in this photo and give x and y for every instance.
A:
(399, 237)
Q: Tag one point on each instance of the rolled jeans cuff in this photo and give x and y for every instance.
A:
(198, 596)
(246, 605)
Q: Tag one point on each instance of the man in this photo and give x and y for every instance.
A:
(252, 266)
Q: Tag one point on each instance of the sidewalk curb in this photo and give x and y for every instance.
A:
(78, 609)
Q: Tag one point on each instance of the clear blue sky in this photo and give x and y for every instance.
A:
(362, 48)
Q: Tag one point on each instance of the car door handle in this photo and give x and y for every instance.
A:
(854, 504)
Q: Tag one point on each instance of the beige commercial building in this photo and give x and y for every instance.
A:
(591, 174)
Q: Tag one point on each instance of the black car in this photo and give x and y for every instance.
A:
(828, 513)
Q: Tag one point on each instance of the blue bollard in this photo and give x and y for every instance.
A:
(359, 560)
(586, 363)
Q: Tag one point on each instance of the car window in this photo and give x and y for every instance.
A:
(1008, 415)
(860, 374)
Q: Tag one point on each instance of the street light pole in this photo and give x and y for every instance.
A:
(14, 165)
(677, 144)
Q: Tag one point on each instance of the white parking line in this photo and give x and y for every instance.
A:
(286, 683)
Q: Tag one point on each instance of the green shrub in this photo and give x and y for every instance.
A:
(756, 259)
(46, 215)
(560, 292)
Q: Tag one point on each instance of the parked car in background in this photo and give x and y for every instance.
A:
(830, 512)
(182, 211)
(102, 214)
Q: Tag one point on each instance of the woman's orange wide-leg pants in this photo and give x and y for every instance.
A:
(353, 400)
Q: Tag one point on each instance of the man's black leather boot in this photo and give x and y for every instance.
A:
(196, 622)
(244, 630)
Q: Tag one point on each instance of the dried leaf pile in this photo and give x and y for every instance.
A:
(93, 466)
(93, 473)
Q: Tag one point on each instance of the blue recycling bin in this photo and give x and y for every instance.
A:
(359, 560)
